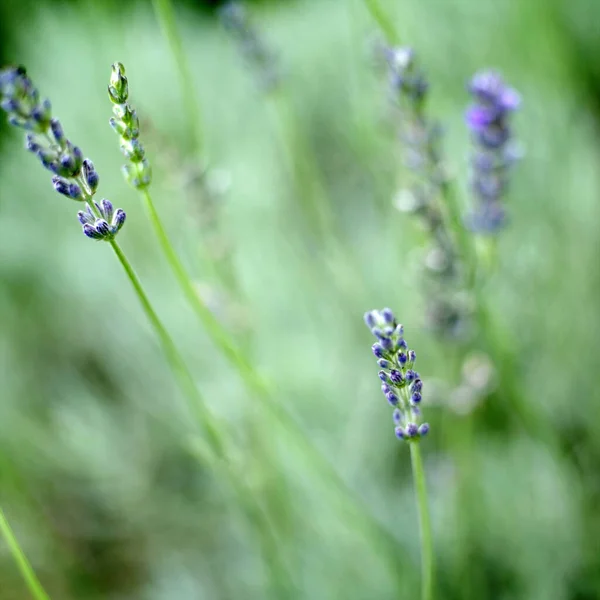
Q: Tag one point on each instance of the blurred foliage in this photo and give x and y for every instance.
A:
(98, 472)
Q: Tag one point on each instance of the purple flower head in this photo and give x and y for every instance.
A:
(489, 121)
(401, 385)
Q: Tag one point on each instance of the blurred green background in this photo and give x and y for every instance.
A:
(99, 473)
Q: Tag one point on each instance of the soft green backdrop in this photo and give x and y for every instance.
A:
(99, 472)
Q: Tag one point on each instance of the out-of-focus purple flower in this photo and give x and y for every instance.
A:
(494, 152)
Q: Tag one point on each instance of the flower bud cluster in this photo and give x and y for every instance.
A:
(126, 125)
(400, 383)
(494, 150)
(102, 224)
(73, 175)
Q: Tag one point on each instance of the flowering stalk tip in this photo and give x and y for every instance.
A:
(494, 151)
(73, 175)
(400, 383)
(126, 125)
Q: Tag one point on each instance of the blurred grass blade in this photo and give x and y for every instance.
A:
(33, 583)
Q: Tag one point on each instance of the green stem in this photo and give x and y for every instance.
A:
(208, 422)
(186, 379)
(424, 522)
(33, 583)
(166, 17)
(385, 22)
(257, 386)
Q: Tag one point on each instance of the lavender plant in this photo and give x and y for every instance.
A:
(402, 386)
(494, 150)
(76, 178)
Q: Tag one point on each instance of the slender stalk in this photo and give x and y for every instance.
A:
(257, 386)
(249, 502)
(424, 522)
(165, 14)
(186, 380)
(385, 22)
(33, 583)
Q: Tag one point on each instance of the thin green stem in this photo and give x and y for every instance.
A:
(165, 14)
(208, 422)
(424, 522)
(258, 387)
(33, 583)
(186, 379)
(385, 22)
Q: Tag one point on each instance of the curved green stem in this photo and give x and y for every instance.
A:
(166, 17)
(33, 583)
(257, 386)
(186, 380)
(385, 22)
(424, 522)
(251, 505)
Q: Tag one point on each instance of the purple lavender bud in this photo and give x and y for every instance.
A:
(480, 117)
(67, 162)
(402, 359)
(384, 377)
(388, 331)
(410, 375)
(86, 217)
(106, 209)
(392, 398)
(90, 175)
(42, 113)
(385, 364)
(91, 232)
(378, 350)
(417, 385)
(31, 144)
(510, 99)
(401, 344)
(9, 105)
(57, 131)
(118, 220)
(412, 356)
(424, 429)
(386, 343)
(388, 315)
(385, 388)
(397, 416)
(400, 433)
(396, 377)
(102, 227)
(66, 188)
(412, 430)
(48, 160)
(415, 410)
(416, 398)
(399, 331)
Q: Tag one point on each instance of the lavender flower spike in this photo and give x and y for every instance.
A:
(126, 125)
(494, 150)
(402, 385)
(73, 176)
